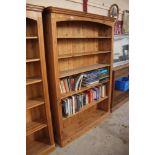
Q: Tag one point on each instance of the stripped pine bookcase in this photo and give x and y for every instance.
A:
(39, 132)
(75, 43)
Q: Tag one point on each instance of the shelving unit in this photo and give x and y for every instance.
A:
(76, 43)
(119, 97)
(39, 131)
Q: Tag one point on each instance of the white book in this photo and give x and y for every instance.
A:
(63, 87)
(103, 91)
(69, 112)
(73, 100)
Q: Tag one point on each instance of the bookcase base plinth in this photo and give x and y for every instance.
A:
(78, 126)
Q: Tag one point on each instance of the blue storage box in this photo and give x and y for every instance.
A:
(122, 84)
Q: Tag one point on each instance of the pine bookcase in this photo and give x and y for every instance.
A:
(39, 132)
(76, 42)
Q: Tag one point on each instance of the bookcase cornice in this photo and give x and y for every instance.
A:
(32, 7)
(77, 13)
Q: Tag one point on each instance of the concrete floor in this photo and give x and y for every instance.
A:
(110, 137)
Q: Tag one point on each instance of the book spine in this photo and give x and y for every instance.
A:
(66, 85)
(73, 99)
(72, 84)
(61, 91)
(63, 86)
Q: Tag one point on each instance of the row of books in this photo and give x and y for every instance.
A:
(75, 103)
(71, 84)
(86, 79)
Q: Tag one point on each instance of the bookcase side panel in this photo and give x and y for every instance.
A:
(44, 78)
(53, 74)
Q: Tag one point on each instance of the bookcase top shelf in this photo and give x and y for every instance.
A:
(87, 107)
(81, 54)
(81, 70)
(82, 89)
(35, 126)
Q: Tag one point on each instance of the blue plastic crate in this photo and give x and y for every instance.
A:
(122, 84)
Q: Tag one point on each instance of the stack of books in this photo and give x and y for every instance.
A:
(95, 76)
(75, 103)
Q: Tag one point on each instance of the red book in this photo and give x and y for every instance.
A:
(90, 96)
(72, 84)
(66, 85)
(91, 93)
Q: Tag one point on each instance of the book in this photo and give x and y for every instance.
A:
(69, 84)
(73, 102)
(66, 85)
(78, 82)
(65, 107)
(72, 82)
(62, 86)
(96, 93)
(103, 91)
(90, 96)
(78, 104)
(68, 105)
(87, 84)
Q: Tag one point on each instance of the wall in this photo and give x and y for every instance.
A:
(95, 7)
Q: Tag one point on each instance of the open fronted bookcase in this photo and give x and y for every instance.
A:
(39, 132)
(77, 43)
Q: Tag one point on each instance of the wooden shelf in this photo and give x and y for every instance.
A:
(77, 127)
(84, 37)
(81, 54)
(32, 37)
(30, 81)
(87, 107)
(37, 147)
(82, 69)
(82, 89)
(34, 103)
(32, 60)
(35, 126)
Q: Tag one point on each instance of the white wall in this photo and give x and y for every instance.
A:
(95, 7)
